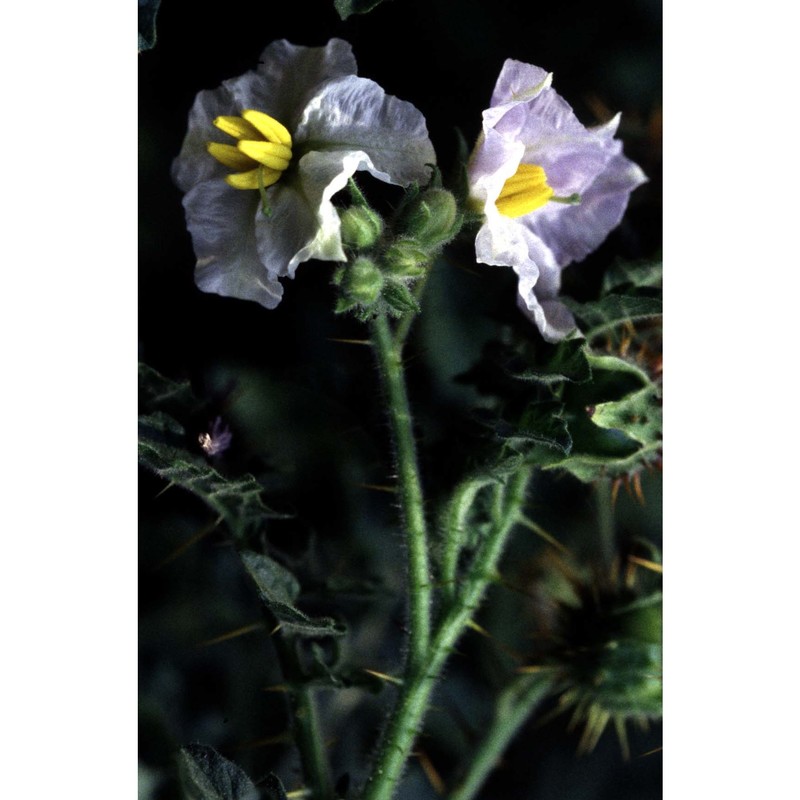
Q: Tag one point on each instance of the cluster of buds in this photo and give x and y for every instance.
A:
(387, 260)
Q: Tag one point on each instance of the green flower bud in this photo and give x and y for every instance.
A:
(406, 259)
(361, 227)
(433, 219)
(363, 282)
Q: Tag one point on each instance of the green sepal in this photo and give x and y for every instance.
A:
(433, 219)
(279, 589)
(361, 227)
(399, 298)
(206, 775)
(404, 258)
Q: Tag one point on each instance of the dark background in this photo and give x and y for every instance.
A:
(303, 408)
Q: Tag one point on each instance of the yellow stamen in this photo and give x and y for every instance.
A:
(236, 127)
(525, 191)
(261, 154)
(253, 179)
(274, 156)
(270, 128)
(229, 156)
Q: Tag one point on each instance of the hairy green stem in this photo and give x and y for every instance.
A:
(516, 704)
(454, 521)
(389, 355)
(414, 697)
(605, 519)
(306, 731)
(404, 326)
(310, 745)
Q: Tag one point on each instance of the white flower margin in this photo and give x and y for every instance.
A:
(340, 123)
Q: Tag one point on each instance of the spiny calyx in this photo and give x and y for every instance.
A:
(261, 154)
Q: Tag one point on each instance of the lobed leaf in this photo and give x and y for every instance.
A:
(206, 775)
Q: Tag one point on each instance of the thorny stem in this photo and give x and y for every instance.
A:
(306, 730)
(418, 684)
(454, 521)
(389, 355)
(310, 745)
(515, 705)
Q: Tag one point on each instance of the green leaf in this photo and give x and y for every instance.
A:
(206, 775)
(273, 788)
(565, 361)
(346, 8)
(279, 589)
(157, 393)
(602, 315)
(632, 275)
(163, 450)
(147, 23)
(638, 415)
(543, 423)
(614, 422)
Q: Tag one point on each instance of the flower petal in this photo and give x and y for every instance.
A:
(355, 114)
(303, 224)
(220, 220)
(193, 164)
(288, 75)
(572, 232)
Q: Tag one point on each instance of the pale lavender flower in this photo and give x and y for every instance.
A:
(549, 188)
(218, 440)
(265, 153)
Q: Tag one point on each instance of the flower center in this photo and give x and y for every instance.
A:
(525, 191)
(261, 154)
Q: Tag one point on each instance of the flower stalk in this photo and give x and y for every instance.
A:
(419, 682)
(389, 356)
(518, 701)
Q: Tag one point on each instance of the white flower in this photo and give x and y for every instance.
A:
(550, 189)
(266, 152)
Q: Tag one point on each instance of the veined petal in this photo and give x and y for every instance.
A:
(355, 114)
(221, 222)
(305, 216)
(193, 165)
(572, 232)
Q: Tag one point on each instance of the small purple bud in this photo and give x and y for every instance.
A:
(218, 440)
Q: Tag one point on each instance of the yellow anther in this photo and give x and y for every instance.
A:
(228, 155)
(236, 127)
(525, 191)
(270, 128)
(254, 179)
(263, 152)
(274, 156)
